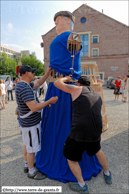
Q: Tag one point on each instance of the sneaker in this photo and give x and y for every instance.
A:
(25, 169)
(108, 179)
(37, 175)
(77, 188)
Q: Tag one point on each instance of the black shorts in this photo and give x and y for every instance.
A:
(73, 149)
(117, 91)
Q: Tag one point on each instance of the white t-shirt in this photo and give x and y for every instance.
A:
(9, 85)
(45, 85)
(2, 86)
(41, 86)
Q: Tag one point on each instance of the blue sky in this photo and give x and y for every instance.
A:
(23, 22)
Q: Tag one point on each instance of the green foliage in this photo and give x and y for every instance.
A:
(8, 66)
(33, 62)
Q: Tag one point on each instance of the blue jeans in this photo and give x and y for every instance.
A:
(10, 91)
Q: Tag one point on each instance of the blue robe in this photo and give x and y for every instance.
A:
(56, 121)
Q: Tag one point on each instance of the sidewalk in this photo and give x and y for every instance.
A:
(114, 144)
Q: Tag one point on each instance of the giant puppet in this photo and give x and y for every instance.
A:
(56, 120)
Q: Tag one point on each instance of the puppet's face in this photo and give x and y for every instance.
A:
(62, 24)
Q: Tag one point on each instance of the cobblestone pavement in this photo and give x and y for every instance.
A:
(114, 144)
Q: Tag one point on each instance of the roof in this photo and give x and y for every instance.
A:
(101, 14)
(94, 10)
(1, 45)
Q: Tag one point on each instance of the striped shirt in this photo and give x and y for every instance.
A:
(24, 93)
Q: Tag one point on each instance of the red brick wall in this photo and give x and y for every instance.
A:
(113, 36)
(113, 41)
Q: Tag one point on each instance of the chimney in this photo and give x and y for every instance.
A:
(102, 10)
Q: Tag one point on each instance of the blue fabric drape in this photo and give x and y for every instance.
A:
(56, 125)
(60, 56)
(56, 121)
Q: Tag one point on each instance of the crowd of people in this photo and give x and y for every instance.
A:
(121, 87)
(6, 88)
(42, 90)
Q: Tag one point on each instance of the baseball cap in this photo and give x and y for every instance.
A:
(84, 80)
(26, 68)
(65, 13)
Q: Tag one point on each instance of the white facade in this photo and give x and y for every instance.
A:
(12, 52)
(9, 51)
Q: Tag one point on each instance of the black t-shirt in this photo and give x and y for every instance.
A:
(87, 119)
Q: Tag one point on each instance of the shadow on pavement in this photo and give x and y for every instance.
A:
(113, 103)
(115, 148)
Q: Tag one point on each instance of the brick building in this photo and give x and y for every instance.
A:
(105, 42)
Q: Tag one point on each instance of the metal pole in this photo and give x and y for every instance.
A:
(2, 67)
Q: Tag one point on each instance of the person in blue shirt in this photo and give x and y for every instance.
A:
(57, 119)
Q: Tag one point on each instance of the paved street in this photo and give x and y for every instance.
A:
(114, 144)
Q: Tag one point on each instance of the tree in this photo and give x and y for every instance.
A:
(8, 66)
(33, 62)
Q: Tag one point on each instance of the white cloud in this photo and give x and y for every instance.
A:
(35, 47)
(9, 26)
(47, 28)
(15, 46)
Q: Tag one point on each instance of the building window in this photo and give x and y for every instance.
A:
(83, 20)
(85, 45)
(101, 75)
(95, 38)
(95, 52)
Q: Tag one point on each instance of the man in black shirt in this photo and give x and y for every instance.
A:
(86, 129)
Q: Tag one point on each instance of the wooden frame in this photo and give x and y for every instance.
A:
(90, 69)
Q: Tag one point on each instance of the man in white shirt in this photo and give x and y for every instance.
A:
(9, 84)
(126, 89)
(45, 89)
(2, 97)
(36, 89)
